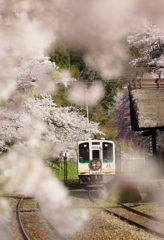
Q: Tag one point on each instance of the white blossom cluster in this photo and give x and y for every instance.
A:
(23, 113)
(150, 41)
(36, 76)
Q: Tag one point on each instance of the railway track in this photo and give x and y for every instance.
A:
(22, 228)
(31, 224)
(134, 217)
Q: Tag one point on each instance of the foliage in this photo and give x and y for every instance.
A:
(61, 97)
(60, 56)
(77, 63)
(135, 52)
(122, 111)
(111, 89)
(102, 112)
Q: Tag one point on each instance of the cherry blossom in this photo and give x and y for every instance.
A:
(32, 127)
(150, 42)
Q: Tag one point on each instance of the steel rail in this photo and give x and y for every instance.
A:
(141, 213)
(58, 234)
(131, 222)
(22, 230)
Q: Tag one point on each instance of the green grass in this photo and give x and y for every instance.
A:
(72, 181)
(71, 170)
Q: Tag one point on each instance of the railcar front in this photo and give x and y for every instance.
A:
(96, 161)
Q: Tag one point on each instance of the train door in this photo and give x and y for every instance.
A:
(96, 160)
(95, 153)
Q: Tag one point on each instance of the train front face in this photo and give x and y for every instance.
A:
(96, 161)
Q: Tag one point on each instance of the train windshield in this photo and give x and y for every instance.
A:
(107, 152)
(84, 152)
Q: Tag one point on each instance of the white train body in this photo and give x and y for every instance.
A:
(96, 161)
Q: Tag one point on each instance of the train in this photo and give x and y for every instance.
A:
(96, 162)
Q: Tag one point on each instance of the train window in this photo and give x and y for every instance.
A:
(84, 152)
(95, 154)
(107, 152)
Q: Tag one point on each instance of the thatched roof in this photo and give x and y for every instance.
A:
(147, 104)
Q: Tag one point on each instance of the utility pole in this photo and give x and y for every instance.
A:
(86, 98)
